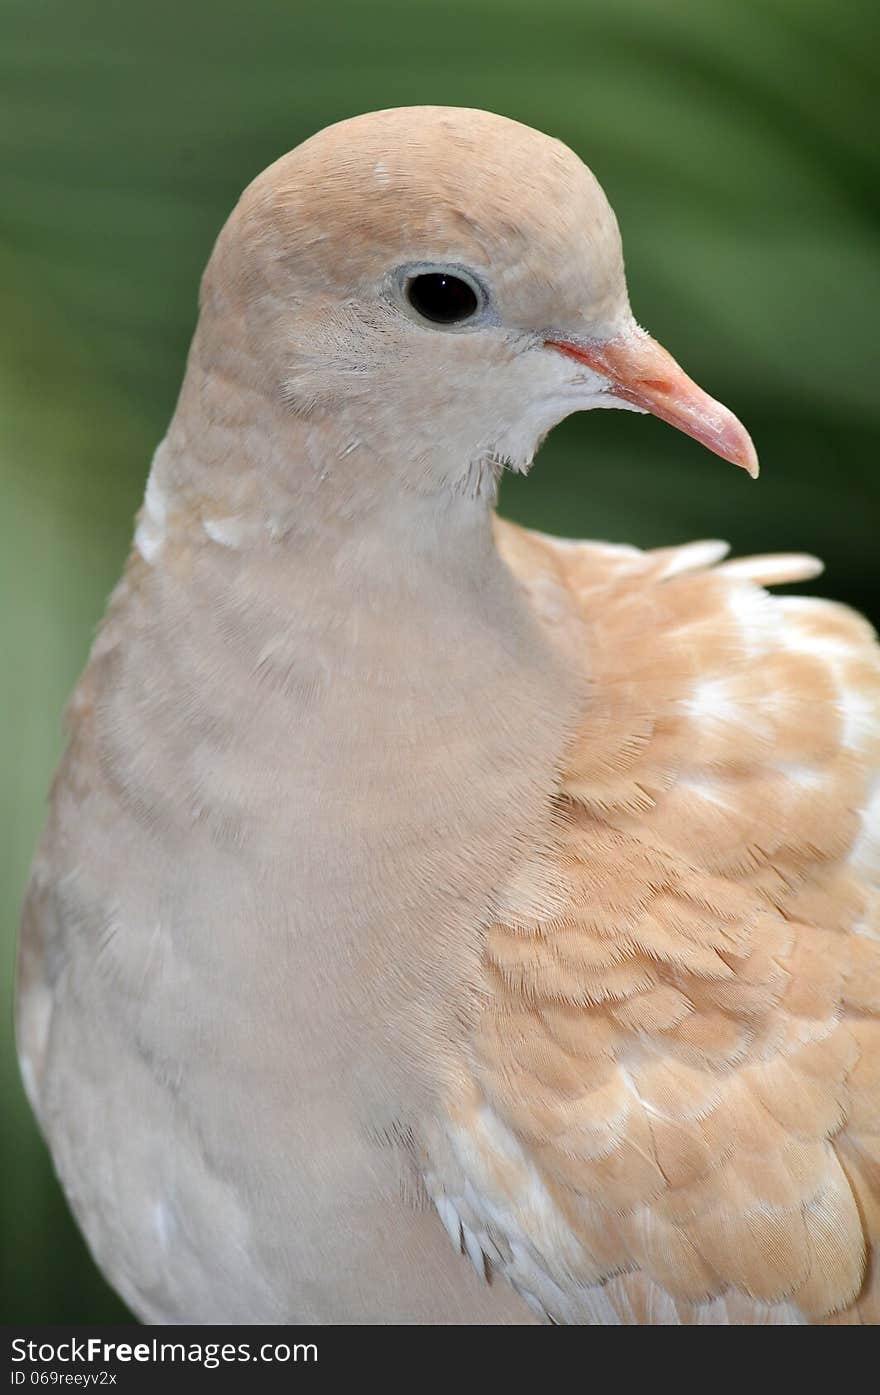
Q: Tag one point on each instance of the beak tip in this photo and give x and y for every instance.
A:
(734, 444)
(749, 459)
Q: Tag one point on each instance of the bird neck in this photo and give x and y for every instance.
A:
(295, 540)
(244, 460)
(350, 716)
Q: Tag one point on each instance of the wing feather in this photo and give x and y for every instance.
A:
(673, 1111)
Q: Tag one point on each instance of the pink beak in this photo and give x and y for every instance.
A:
(640, 371)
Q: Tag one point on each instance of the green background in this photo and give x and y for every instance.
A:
(735, 139)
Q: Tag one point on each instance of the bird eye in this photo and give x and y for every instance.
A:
(442, 298)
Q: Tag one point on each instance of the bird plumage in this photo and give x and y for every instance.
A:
(401, 857)
(674, 1091)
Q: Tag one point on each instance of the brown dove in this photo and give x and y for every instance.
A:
(437, 921)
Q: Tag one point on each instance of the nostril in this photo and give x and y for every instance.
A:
(656, 384)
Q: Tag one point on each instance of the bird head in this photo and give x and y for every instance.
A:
(445, 285)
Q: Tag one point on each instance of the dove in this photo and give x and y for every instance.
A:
(437, 921)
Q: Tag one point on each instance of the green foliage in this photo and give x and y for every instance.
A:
(734, 138)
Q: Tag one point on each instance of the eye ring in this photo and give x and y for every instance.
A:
(444, 297)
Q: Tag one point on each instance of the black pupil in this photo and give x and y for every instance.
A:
(442, 298)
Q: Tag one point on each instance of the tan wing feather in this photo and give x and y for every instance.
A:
(674, 1109)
